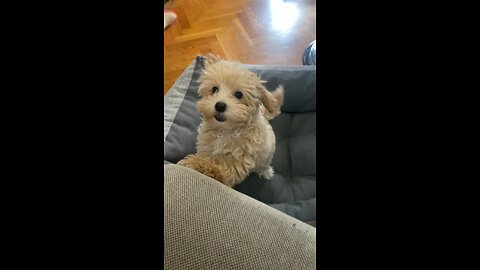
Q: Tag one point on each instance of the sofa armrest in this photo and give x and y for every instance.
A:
(210, 226)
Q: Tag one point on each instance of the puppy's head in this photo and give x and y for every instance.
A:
(230, 93)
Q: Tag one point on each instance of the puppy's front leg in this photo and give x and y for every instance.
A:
(205, 166)
(266, 173)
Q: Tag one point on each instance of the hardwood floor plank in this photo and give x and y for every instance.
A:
(243, 31)
(197, 35)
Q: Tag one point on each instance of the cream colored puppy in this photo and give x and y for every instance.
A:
(235, 137)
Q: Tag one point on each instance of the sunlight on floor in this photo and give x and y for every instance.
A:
(284, 15)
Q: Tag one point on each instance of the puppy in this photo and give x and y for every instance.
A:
(235, 137)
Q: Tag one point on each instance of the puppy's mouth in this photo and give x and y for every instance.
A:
(220, 117)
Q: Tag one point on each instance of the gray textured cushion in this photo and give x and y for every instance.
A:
(210, 226)
(180, 117)
(293, 188)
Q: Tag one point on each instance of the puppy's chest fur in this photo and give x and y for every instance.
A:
(244, 145)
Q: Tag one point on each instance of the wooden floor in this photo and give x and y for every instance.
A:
(249, 31)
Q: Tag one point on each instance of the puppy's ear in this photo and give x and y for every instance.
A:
(271, 100)
(211, 58)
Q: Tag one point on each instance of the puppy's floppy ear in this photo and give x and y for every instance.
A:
(271, 100)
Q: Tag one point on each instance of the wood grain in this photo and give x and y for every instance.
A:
(250, 31)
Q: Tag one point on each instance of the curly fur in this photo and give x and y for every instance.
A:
(204, 165)
(234, 143)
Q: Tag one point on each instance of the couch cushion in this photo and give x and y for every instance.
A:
(181, 117)
(293, 162)
(295, 129)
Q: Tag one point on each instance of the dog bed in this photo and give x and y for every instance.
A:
(293, 187)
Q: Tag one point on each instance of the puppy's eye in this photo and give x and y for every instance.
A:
(214, 89)
(238, 94)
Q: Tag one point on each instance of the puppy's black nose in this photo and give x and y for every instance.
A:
(220, 106)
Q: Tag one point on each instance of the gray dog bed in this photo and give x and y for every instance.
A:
(293, 187)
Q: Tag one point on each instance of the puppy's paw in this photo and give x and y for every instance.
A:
(267, 174)
(204, 166)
